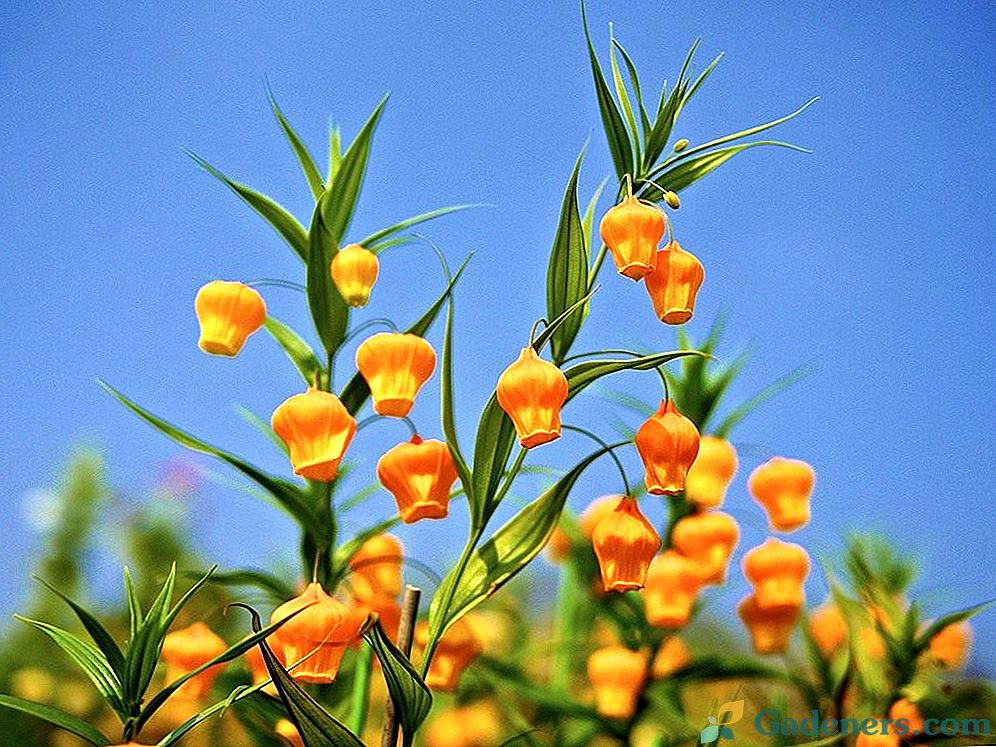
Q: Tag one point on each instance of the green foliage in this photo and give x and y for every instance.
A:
(409, 693)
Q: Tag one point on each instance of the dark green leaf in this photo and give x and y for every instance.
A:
(412, 699)
(286, 493)
(328, 309)
(374, 242)
(267, 582)
(567, 273)
(447, 411)
(634, 78)
(623, 95)
(299, 351)
(54, 716)
(276, 215)
(108, 647)
(944, 621)
(583, 374)
(311, 172)
(686, 173)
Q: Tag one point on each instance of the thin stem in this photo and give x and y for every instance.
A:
(359, 704)
(532, 332)
(608, 449)
(276, 283)
(607, 351)
(667, 391)
(370, 420)
(596, 266)
(406, 634)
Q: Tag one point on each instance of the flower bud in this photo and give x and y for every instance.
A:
(354, 272)
(617, 675)
(680, 145)
(770, 629)
(708, 538)
(783, 487)
(777, 570)
(672, 199)
(395, 365)
(711, 473)
(532, 391)
(673, 585)
(625, 543)
(317, 429)
(671, 657)
(228, 313)
(376, 567)
(631, 230)
(419, 474)
(187, 649)
(674, 283)
(668, 443)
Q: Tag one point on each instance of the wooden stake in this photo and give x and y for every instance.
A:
(406, 635)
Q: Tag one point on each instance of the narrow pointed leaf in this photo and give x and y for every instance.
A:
(374, 242)
(329, 311)
(286, 493)
(263, 427)
(686, 173)
(299, 351)
(88, 658)
(275, 214)
(135, 614)
(107, 645)
(335, 152)
(356, 391)
(56, 717)
(349, 548)
(623, 96)
(944, 621)
(447, 415)
(311, 172)
(634, 79)
(615, 129)
(503, 555)
(583, 374)
(779, 385)
(412, 699)
(170, 617)
(277, 588)
(567, 272)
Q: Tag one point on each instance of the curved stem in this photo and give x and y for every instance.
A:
(532, 332)
(609, 450)
(371, 419)
(607, 351)
(276, 283)
(596, 266)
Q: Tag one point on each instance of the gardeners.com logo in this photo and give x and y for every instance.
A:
(770, 722)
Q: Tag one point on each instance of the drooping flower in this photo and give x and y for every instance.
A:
(617, 676)
(672, 656)
(770, 629)
(477, 724)
(674, 283)
(187, 649)
(878, 739)
(228, 312)
(376, 567)
(387, 609)
(312, 642)
(532, 391)
(673, 585)
(455, 651)
(711, 472)
(905, 709)
(708, 538)
(395, 365)
(257, 666)
(317, 429)
(777, 570)
(354, 272)
(419, 474)
(632, 230)
(668, 443)
(828, 628)
(950, 647)
(783, 487)
(559, 545)
(288, 732)
(625, 543)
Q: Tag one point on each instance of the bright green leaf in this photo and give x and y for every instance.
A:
(412, 699)
(299, 351)
(311, 172)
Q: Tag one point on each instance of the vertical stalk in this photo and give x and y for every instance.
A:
(563, 631)
(406, 631)
(359, 705)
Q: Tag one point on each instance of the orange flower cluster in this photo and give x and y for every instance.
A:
(187, 649)
(777, 570)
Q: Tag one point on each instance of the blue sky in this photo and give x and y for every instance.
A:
(872, 256)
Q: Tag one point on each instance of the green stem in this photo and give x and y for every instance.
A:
(596, 266)
(563, 632)
(361, 690)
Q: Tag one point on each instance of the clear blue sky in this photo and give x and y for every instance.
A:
(873, 256)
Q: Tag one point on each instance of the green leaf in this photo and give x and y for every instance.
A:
(412, 699)
(329, 311)
(349, 548)
(339, 202)
(316, 725)
(286, 493)
(623, 95)
(634, 79)
(275, 214)
(447, 410)
(135, 614)
(267, 582)
(356, 391)
(944, 621)
(108, 647)
(567, 273)
(89, 658)
(615, 129)
(375, 241)
(506, 553)
(263, 427)
(311, 172)
(686, 173)
(584, 374)
(667, 113)
(56, 717)
(145, 647)
(335, 152)
(170, 617)
(779, 385)
(299, 351)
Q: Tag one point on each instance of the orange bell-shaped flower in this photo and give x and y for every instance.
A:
(906, 710)
(395, 365)
(387, 609)
(632, 230)
(777, 570)
(625, 543)
(257, 667)
(770, 629)
(711, 472)
(708, 538)
(950, 647)
(317, 429)
(673, 585)
(477, 724)
(354, 272)
(782, 487)
(532, 391)
(668, 443)
(376, 567)
(888, 739)
(185, 650)
(419, 474)
(674, 283)
(671, 657)
(312, 643)
(617, 675)
(228, 313)
(455, 651)
(559, 545)
(828, 628)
